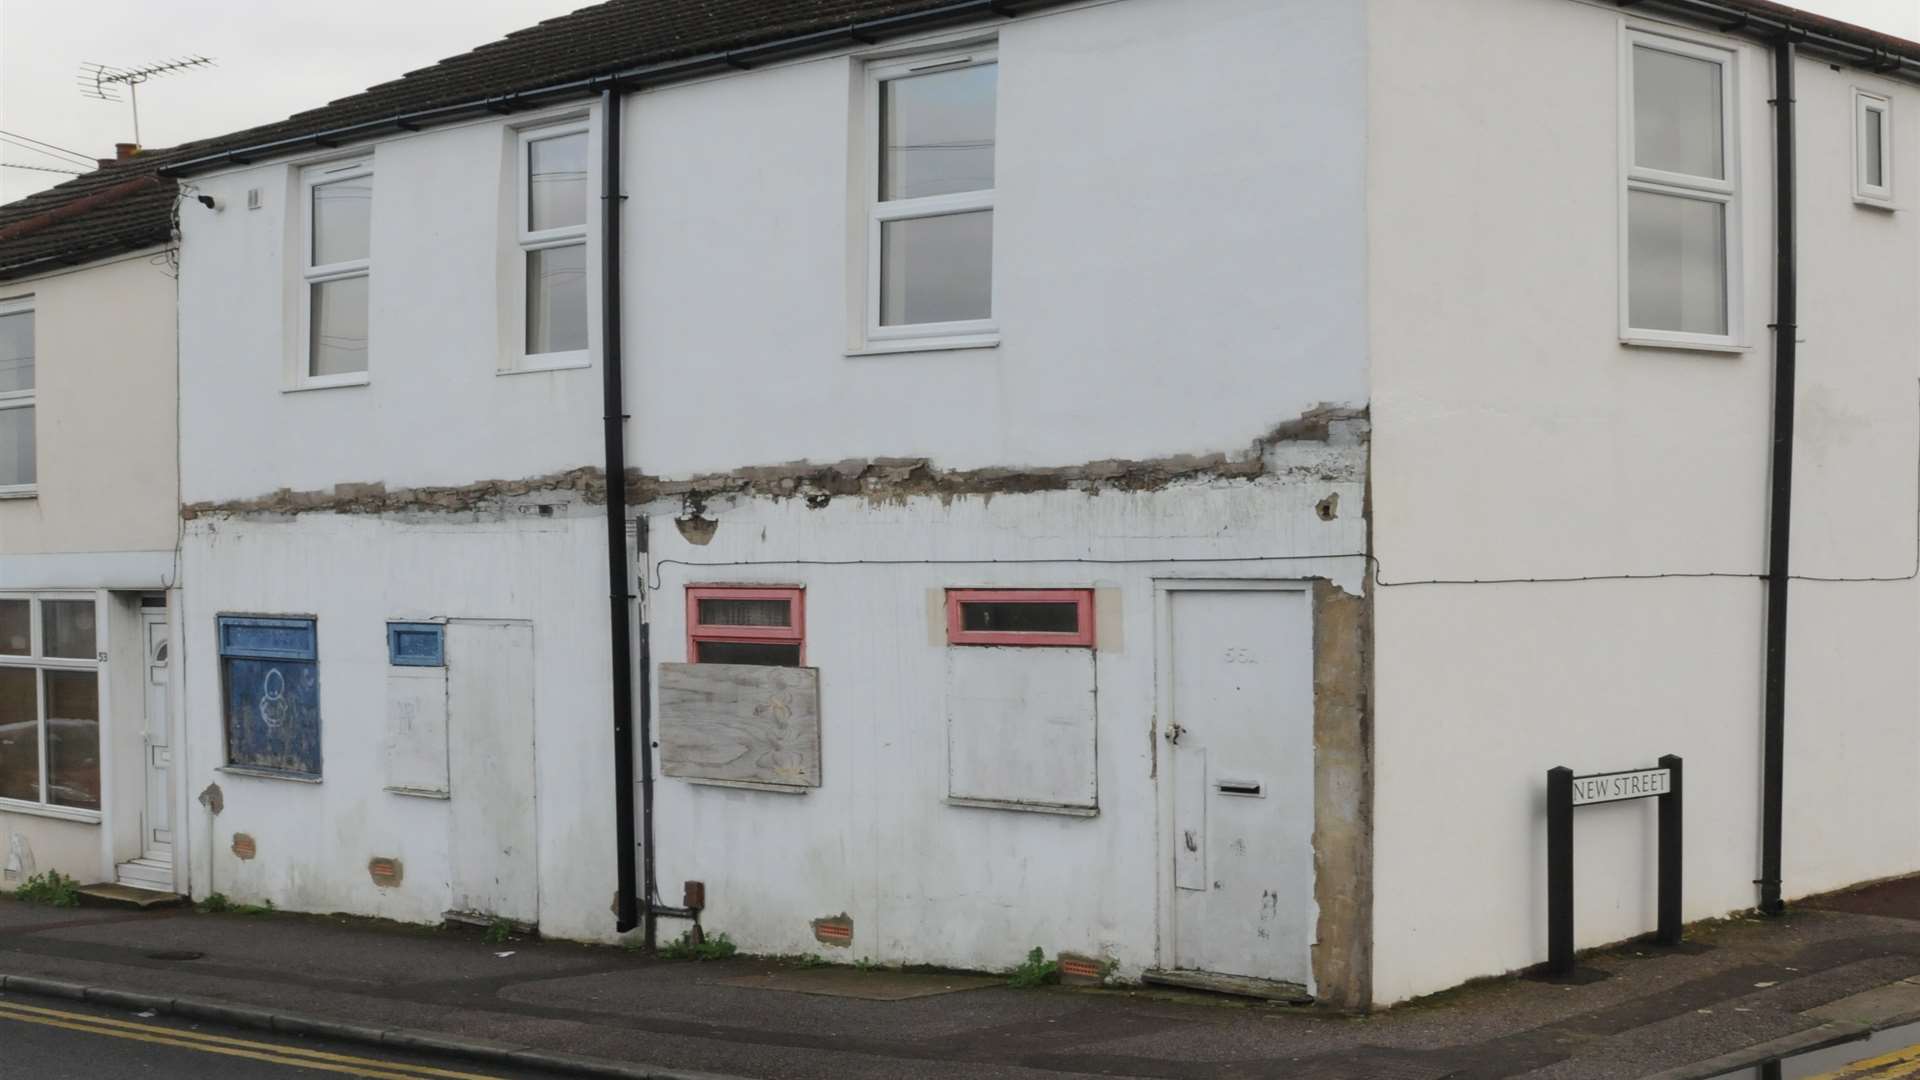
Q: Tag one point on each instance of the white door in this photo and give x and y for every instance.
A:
(490, 769)
(157, 822)
(1241, 735)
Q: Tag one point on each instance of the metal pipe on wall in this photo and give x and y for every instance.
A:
(1780, 495)
(613, 399)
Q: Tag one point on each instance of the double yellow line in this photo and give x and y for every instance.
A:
(1898, 1065)
(272, 1053)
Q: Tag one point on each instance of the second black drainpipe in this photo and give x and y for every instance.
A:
(1780, 502)
(613, 400)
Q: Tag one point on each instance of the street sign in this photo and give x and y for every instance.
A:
(1566, 791)
(1613, 787)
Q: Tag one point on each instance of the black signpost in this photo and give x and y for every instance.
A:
(1566, 791)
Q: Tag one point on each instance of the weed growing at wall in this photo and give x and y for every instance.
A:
(51, 888)
(1036, 970)
(715, 947)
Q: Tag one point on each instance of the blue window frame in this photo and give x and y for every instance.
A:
(270, 679)
(414, 644)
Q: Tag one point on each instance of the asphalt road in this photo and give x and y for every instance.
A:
(64, 1041)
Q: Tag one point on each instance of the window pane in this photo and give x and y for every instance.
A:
(66, 629)
(1676, 113)
(557, 299)
(936, 132)
(339, 317)
(17, 465)
(19, 735)
(1677, 263)
(1021, 617)
(16, 351)
(73, 739)
(16, 624)
(1870, 145)
(936, 269)
(740, 612)
(342, 220)
(747, 652)
(557, 182)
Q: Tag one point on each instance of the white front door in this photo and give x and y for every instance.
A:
(157, 821)
(1240, 731)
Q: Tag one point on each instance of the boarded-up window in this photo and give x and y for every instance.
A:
(741, 724)
(1020, 729)
(270, 676)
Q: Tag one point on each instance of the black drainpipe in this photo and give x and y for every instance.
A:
(1780, 503)
(613, 395)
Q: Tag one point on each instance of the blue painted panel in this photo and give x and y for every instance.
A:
(416, 644)
(291, 639)
(273, 714)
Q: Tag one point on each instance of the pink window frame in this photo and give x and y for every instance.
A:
(1082, 599)
(796, 634)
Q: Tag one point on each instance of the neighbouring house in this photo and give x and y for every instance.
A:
(1155, 481)
(89, 515)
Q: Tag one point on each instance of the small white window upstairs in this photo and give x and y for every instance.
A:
(552, 221)
(1872, 148)
(930, 177)
(1681, 194)
(337, 199)
(18, 468)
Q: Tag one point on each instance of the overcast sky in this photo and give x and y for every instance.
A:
(277, 57)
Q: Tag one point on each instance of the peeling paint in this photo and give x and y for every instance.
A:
(1318, 445)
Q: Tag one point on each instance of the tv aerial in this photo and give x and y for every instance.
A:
(104, 81)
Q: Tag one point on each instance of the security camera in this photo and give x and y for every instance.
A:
(211, 202)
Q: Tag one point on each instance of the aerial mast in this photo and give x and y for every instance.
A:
(103, 81)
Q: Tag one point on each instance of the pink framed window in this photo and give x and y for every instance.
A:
(746, 625)
(1020, 617)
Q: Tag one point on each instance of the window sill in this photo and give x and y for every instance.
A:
(1684, 346)
(419, 793)
(750, 785)
(1868, 202)
(885, 347)
(24, 492)
(267, 774)
(58, 813)
(573, 362)
(329, 382)
(1025, 808)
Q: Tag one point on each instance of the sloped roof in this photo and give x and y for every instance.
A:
(594, 42)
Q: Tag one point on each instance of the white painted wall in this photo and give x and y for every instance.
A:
(923, 880)
(104, 423)
(1156, 255)
(1515, 438)
(354, 574)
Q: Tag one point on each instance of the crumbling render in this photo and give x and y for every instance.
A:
(1311, 447)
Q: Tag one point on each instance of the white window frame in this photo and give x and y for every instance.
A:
(960, 334)
(40, 665)
(23, 399)
(530, 240)
(1726, 192)
(1881, 195)
(311, 177)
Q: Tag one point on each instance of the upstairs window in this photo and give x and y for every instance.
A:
(339, 211)
(1020, 617)
(729, 625)
(1872, 148)
(18, 469)
(930, 204)
(553, 244)
(1681, 194)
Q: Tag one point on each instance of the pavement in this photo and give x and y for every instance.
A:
(1823, 973)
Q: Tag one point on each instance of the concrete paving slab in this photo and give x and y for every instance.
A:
(865, 985)
(1892, 1004)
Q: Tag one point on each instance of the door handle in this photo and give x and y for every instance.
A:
(1173, 733)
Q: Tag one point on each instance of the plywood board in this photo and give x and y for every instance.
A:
(740, 722)
(494, 821)
(1021, 727)
(417, 731)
